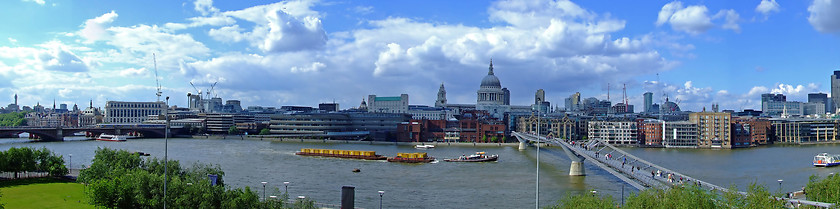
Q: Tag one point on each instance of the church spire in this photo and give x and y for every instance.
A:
(491, 68)
(16, 99)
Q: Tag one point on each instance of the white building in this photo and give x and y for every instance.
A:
(614, 132)
(491, 96)
(388, 104)
(132, 112)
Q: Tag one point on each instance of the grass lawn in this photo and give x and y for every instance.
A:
(43, 193)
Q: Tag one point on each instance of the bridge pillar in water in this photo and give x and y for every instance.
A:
(577, 169)
(521, 145)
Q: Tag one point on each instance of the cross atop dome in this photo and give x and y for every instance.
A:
(491, 67)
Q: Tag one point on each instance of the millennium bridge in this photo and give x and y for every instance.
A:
(633, 170)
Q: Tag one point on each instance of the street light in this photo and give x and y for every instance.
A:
(286, 183)
(380, 198)
(165, 149)
(780, 185)
(70, 161)
(263, 183)
(537, 198)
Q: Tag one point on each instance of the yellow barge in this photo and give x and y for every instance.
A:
(364, 155)
(420, 157)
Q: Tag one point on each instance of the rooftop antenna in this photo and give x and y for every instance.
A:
(157, 81)
(608, 91)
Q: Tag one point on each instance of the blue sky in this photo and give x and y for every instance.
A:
(275, 53)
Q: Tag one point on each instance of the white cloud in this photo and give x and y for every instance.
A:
(825, 15)
(61, 60)
(95, 29)
(13, 41)
(287, 33)
(205, 7)
(767, 7)
(135, 72)
(693, 19)
(363, 10)
(795, 91)
(314, 67)
(731, 19)
(41, 2)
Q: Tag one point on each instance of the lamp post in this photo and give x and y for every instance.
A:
(286, 183)
(70, 161)
(537, 199)
(165, 151)
(380, 198)
(263, 183)
(780, 185)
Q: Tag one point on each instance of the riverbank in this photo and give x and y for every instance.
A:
(327, 141)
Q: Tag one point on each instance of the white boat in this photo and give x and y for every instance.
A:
(826, 160)
(111, 138)
(424, 146)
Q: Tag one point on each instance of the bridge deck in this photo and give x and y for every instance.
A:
(636, 171)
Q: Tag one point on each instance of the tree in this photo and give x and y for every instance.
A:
(265, 131)
(233, 130)
(824, 190)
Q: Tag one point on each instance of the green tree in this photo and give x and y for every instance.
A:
(13, 119)
(265, 131)
(824, 190)
(233, 130)
(585, 201)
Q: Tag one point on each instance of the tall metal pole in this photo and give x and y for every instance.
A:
(165, 153)
(537, 205)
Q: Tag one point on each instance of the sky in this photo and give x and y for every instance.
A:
(305, 52)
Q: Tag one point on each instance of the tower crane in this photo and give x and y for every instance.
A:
(210, 91)
(157, 80)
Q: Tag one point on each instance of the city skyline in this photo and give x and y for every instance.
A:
(306, 52)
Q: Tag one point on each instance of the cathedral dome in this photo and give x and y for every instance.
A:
(491, 80)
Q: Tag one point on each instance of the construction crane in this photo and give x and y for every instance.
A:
(196, 89)
(157, 80)
(210, 91)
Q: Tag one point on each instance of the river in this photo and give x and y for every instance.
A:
(508, 183)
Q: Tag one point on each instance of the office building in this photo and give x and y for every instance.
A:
(132, 112)
(835, 90)
(398, 104)
(614, 132)
(648, 101)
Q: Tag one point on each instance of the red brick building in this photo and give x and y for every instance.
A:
(760, 129)
(471, 126)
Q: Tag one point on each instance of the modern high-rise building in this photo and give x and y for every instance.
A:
(835, 90)
(820, 98)
(573, 102)
(648, 101)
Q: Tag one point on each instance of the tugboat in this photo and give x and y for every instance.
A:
(477, 157)
(411, 158)
(826, 160)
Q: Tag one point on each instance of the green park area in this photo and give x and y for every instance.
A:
(45, 192)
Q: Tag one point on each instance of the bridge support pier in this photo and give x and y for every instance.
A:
(577, 169)
(521, 145)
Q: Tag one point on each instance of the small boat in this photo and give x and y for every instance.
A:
(826, 160)
(110, 138)
(477, 157)
(424, 146)
(411, 158)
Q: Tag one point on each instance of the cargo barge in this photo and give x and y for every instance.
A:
(354, 154)
(411, 158)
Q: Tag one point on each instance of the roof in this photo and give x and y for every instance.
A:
(387, 99)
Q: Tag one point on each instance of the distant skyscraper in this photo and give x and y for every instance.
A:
(573, 102)
(820, 98)
(539, 97)
(835, 90)
(767, 98)
(648, 101)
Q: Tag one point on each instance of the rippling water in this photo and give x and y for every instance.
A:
(508, 183)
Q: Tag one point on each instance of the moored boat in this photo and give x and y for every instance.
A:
(110, 138)
(364, 155)
(424, 146)
(826, 160)
(421, 157)
(477, 157)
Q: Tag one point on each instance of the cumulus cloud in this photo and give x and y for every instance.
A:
(695, 19)
(13, 41)
(61, 60)
(95, 29)
(134, 72)
(767, 7)
(825, 15)
(205, 7)
(731, 19)
(287, 33)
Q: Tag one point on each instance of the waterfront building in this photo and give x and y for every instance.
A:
(220, 123)
(805, 131)
(132, 112)
(388, 104)
(563, 127)
(760, 129)
(378, 126)
(714, 129)
(473, 126)
(431, 113)
(741, 136)
(648, 101)
(677, 134)
(835, 91)
(614, 132)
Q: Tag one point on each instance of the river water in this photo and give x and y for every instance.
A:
(508, 183)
